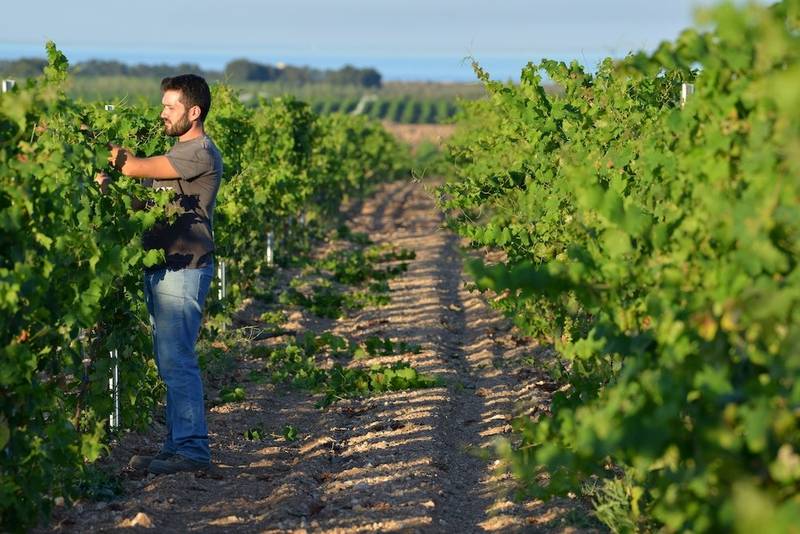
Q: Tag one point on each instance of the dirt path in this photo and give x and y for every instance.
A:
(406, 461)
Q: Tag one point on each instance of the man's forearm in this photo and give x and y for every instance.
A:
(156, 167)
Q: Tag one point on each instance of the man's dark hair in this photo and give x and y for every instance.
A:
(194, 91)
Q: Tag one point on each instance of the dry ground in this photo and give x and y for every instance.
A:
(400, 462)
(414, 134)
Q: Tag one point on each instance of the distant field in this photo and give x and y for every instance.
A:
(407, 109)
(418, 134)
(407, 103)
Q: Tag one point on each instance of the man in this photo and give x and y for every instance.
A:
(175, 290)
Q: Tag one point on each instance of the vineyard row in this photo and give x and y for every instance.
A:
(71, 258)
(655, 246)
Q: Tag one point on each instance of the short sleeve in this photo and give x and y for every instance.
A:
(190, 164)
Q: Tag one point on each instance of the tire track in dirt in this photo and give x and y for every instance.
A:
(399, 462)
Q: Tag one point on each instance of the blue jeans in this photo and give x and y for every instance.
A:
(175, 302)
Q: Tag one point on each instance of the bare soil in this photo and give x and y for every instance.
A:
(414, 134)
(410, 461)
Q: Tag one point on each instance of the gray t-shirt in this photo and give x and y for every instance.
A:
(189, 241)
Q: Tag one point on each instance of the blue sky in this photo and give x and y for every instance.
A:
(397, 37)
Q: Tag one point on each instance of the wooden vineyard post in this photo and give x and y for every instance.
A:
(270, 248)
(687, 90)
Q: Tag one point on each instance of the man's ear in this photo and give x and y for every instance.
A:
(194, 113)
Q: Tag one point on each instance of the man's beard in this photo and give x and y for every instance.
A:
(179, 128)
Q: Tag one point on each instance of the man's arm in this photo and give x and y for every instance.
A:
(156, 167)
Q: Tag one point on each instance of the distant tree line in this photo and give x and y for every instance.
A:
(236, 70)
(245, 70)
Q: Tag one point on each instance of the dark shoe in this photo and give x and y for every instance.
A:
(176, 464)
(141, 461)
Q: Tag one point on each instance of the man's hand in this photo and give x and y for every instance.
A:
(102, 179)
(118, 156)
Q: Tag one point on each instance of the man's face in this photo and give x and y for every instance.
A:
(175, 115)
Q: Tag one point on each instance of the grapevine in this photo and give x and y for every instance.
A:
(656, 247)
(71, 257)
